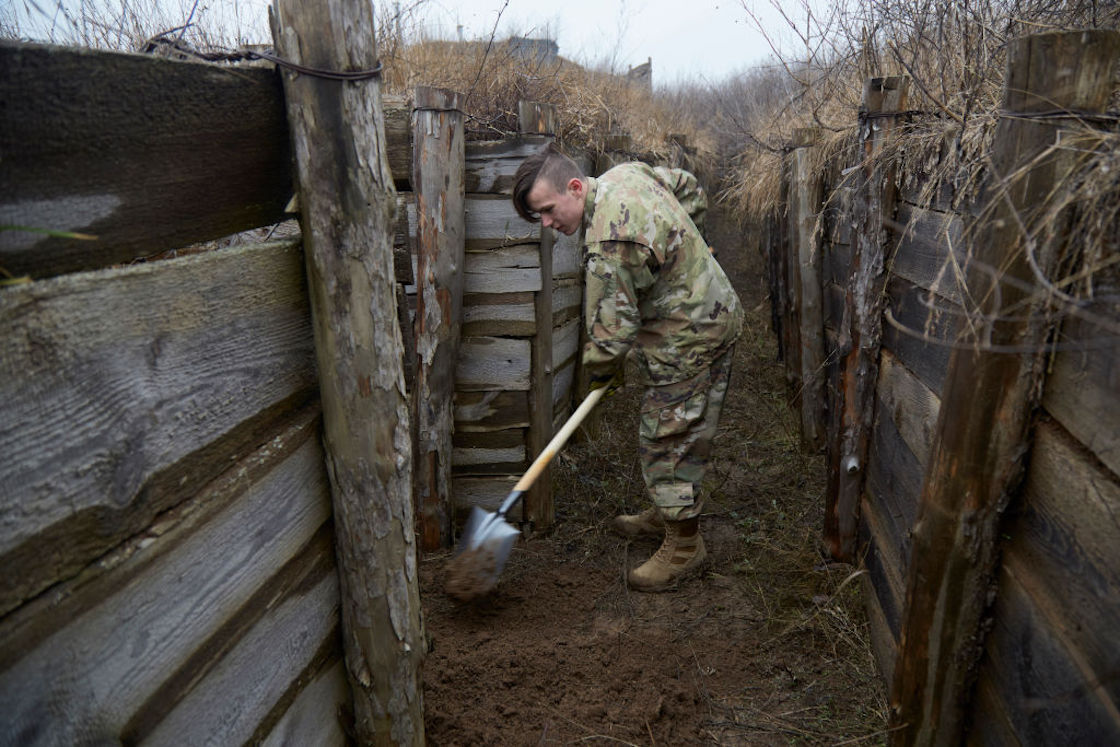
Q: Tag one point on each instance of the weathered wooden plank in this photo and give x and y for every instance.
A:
(145, 153)
(491, 164)
(921, 331)
(491, 411)
(480, 448)
(83, 128)
(833, 305)
(506, 461)
(492, 222)
(883, 643)
(539, 510)
(565, 343)
(836, 264)
(486, 493)
(884, 563)
(988, 723)
(510, 269)
(567, 303)
(910, 405)
(1047, 692)
(566, 257)
(124, 391)
(537, 118)
(398, 139)
(894, 478)
(562, 382)
(930, 246)
(313, 718)
(1063, 549)
(227, 705)
(499, 315)
(488, 363)
(1081, 389)
(83, 683)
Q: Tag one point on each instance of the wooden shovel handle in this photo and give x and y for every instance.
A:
(559, 440)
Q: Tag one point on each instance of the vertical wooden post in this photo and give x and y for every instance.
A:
(539, 509)
(861, 331)
(438, 158)
(987, 402)
(804, 204)
(347, 203)
(787, 268)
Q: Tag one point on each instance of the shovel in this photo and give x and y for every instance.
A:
(488, 537)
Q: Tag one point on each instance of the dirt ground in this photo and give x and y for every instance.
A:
(768, 647)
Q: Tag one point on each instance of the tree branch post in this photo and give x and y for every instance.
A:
(347, 204)
(861, 332)
(437, 178)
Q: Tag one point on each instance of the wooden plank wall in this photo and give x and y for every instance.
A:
(166, 525)
(1049, 673)
(503, 276)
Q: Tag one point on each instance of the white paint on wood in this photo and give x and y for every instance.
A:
(82, 684)
(487, 363)
(510, 269)
(227, 705)
(313, 720)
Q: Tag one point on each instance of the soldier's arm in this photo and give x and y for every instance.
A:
(688, 193)
(617, 271)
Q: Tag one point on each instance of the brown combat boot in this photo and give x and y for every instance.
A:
(648, 522)
(681, 554)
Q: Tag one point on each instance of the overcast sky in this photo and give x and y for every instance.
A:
(687, 40)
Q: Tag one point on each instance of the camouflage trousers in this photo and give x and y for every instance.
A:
(678, 425)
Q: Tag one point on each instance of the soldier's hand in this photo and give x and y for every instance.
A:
(612, 380)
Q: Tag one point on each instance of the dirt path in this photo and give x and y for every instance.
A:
(769, 647)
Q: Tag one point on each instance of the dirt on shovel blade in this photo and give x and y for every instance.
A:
(471, 573)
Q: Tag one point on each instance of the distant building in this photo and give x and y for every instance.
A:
(642, 75)
(537, 50)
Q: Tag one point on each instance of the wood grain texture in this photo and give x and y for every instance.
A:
(491, 410)
(489, 363)
(805, 256)
(930, 250)
(883, 643)
(910, 404)
(510, 269)
(492, 222)
(347, 202)
(145, 153)
(84, 682)
(565, 343)
(487, 493)
(227, 705)
(921, 331)
(313, 718)
(490, 165)
(125, 390)
(1063, 551)
(1044, 687)
(1082, 386)
(437, 176)
(499, 315)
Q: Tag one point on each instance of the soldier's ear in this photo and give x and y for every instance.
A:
(575, 186)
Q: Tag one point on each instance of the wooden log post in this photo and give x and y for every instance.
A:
(804, 207)
(788, 306)
(540, 119)
(347, 204)
(991, 391)
(437, 178)
(861, 331)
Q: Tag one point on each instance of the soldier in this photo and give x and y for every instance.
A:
(653, 285)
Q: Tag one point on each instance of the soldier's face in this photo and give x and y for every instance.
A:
(562, 211)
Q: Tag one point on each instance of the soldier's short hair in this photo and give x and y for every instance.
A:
(548, 163)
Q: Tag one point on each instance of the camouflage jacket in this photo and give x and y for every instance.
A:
(652, 282)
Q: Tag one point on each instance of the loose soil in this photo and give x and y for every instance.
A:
(768, 647)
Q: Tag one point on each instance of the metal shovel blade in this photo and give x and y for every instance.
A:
(487, 541)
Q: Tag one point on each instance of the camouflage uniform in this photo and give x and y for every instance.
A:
(653, 284)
